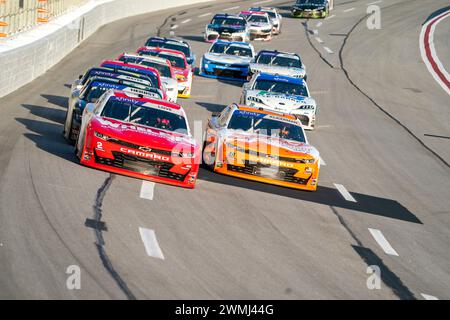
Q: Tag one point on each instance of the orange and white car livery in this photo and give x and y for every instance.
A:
(261, 145)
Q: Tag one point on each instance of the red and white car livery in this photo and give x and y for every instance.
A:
(183, 69)
(141, 137)
(260, 25)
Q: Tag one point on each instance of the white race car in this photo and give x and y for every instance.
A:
(274, 16)
(260, 25)
(164, 67)
(277, 62)
(282, 94)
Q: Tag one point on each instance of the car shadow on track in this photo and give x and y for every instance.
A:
(211, 107)
(48, 137)
(55, 115)
(324, 195)
(56, 100)
(192, 38)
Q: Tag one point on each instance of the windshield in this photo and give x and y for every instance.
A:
(233, 50)
(228, 22)
(254, 122)
(151, 75)
(93, 92)
(164, 70)
(144, 115)
(169, 45)
(258, 18)
(281, 87)
(274, 60)
(317, 2)
(176, 61)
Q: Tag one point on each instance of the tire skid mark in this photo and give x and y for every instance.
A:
(97, 208)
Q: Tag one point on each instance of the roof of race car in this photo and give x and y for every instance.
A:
(173, 40)
(263, 9)
(278, 53)
(235, 43)
(130, 65)
(226, 15)
(144, 99)
(280, 78)
(242, 107)
(155, 59)
(162, 50)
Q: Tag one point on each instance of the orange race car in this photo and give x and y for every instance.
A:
(261, 145)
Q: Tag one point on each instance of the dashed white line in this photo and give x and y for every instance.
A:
(375, 2)
(319, 24)
(328, 50)
(319, 40)
(347, 196)
(151, 245)
(261, 2)
(174, 27)
(382, 242)
(428, 297)
(232, 8)
(330, 17)
(348, 10)
(316, 32)
(322, 162)
(186, 21)
(147, 190)
(205, 14)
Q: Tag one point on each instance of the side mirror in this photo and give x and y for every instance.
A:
(214, 121)
(90, 108)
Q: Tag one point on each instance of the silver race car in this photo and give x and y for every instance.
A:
(278, 62)
(274, 16)
(282, 94)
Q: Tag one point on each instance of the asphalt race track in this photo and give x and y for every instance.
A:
(383, 132)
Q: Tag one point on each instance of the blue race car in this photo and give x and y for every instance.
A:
(173, 44)
(227, 60)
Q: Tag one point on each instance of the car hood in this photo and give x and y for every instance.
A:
(169, 82)
(261, 25)
(226, 29)
(142, 135)
(284, 71)
(225, 58)
(279, 101)
(270, 145)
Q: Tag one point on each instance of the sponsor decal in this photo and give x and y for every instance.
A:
(145, 155)
(272, 162)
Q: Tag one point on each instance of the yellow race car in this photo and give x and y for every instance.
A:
(261, 145)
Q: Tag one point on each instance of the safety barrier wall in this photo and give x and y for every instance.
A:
(23, 64)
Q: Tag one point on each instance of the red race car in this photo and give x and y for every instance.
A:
(139, 136)
(150, 72)
(183, 69)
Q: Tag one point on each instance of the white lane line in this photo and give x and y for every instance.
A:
(322, 162)
(316, 32)
(174, 27)
(330, 17)
(205, 14)
(232, 8)
(263, 1)
(319, 40)
(186, 21)
(382, 242)
(347, 196)
(375, 2)
(151, 245)
(429, 55)
(147, 189)
(319, 24)
(328, 50)
(428, 297)
(348, 10)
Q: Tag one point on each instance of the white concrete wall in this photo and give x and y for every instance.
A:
(25, 63)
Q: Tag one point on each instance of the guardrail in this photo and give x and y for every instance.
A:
(20, 15)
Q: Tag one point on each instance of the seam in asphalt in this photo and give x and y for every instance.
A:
(97, 208)
(372, 100)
